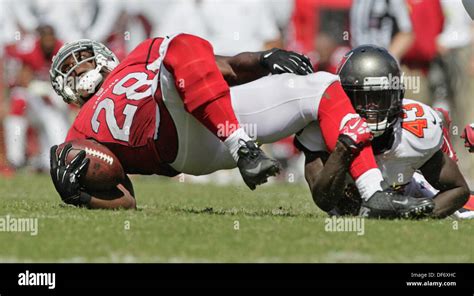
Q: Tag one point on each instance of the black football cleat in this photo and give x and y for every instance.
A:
(254, 165)
(388, 204)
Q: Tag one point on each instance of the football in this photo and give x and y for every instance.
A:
(104, 172)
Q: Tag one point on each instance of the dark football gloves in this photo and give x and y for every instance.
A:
(355, 133)
(279, 61)
(66, 176)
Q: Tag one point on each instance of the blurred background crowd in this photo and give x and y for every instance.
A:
(432, 39)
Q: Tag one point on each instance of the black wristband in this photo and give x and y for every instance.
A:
(260, 58)
(349, 144)
(78, 200)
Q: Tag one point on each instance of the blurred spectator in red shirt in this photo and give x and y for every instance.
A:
(33, 103)
(427, 22)
(307, 21)
(320, 29)
(38, 57)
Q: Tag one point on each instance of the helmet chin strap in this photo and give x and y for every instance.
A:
(89, 82)
(92, 79)
(378, 128)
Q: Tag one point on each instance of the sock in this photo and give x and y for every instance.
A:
(364, 170)
(233, 142)
(200, 84)
(218, 117)
(363, 162)
(369, 183)
(334, 105)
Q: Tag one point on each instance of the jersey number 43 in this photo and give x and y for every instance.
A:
(418, 125)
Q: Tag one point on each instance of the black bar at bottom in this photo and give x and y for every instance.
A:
(417, 278)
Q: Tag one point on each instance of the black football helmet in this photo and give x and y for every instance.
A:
(372, 80)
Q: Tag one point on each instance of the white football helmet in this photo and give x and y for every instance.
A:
(70, 88)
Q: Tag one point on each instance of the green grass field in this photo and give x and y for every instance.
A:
(183, 222)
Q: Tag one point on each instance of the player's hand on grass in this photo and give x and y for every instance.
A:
(355, 134)
(468, 136)
(128, 197)
(279, 61)
(66, 176)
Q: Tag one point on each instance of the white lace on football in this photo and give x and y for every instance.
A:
(100, 155)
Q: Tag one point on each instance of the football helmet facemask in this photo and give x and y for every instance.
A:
(77, 89)
(372, 80)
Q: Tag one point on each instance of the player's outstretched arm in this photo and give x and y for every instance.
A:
(249, 66)
(443, 174)
(126, 201)
(326, 174)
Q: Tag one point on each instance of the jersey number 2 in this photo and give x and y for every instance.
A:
(122, 133)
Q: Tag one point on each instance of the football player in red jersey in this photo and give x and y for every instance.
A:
(81, 67)
(167, 108)
(32, 101)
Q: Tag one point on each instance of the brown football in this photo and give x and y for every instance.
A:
(104, 172)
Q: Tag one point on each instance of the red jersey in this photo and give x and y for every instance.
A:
(127, 113)
(427, 19)
(34, 57)
(307, 20)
